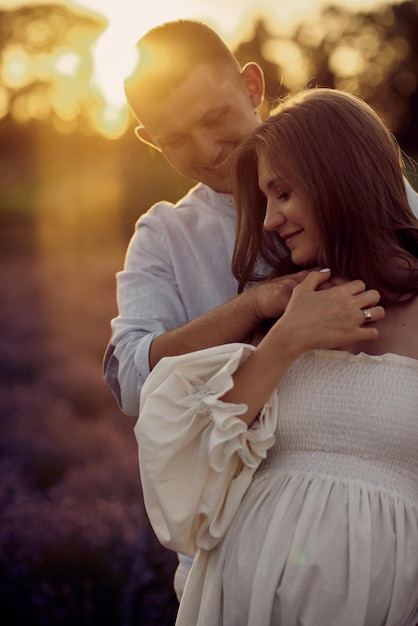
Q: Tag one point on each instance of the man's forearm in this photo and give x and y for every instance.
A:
(232, 321)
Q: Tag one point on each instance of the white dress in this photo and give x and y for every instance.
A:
(314, 526)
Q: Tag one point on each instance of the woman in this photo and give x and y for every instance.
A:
(301, 453)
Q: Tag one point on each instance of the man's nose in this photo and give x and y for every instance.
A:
(207, 148)
(273, 217)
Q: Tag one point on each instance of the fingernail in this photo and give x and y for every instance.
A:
(325, 269)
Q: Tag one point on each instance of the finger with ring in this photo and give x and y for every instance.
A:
(367, 316)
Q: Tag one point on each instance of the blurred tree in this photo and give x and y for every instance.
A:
(373, 54)
(256, 49)
(46, 65)
(46, 62)
(406, 15)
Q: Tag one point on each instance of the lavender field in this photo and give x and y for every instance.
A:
(76, 548)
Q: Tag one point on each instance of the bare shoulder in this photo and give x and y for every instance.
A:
(398, 332)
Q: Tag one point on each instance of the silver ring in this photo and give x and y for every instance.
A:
(367, 316)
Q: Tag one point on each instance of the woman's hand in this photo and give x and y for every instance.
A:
(329, 318)
(314, 318)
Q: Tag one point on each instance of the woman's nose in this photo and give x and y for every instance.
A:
(273, 217)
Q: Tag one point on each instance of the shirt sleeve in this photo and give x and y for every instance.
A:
(412, 197)
(149, 303)
(197, 457)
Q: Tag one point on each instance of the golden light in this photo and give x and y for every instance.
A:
(346, 61)
(114, 54)
(37, 104)
(112, 121)
(83, 79)
(16, 69)
(4, 101)
(295, 69)
(67, 63)
(114, 59)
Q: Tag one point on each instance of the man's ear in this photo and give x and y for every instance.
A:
(143, 136)
(253, 78)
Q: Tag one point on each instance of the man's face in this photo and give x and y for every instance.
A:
(201, 122)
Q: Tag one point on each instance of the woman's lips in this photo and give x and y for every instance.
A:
(290, 237)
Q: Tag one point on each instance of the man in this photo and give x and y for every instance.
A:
(195, 104)
(177, 294)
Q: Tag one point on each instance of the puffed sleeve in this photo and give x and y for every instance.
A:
(197, 458)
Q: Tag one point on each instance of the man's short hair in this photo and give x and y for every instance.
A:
(167, 54)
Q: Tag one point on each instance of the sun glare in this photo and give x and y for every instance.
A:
(114, 54)
(113, 59)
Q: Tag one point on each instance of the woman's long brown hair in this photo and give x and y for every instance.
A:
(332, 147)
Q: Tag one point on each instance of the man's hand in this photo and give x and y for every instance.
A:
(271, 298)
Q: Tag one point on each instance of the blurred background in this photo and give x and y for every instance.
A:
(75, 545)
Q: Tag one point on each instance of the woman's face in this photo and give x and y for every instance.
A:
(289, 214)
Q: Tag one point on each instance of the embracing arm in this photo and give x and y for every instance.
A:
(230, 322)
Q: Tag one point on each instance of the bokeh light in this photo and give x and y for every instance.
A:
(16, 67)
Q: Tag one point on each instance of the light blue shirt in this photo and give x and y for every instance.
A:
(178, 267)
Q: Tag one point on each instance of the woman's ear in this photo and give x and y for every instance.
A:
(253, 78)
(142, 134)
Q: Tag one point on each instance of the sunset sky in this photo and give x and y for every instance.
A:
(224, 14)
(128, 20)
